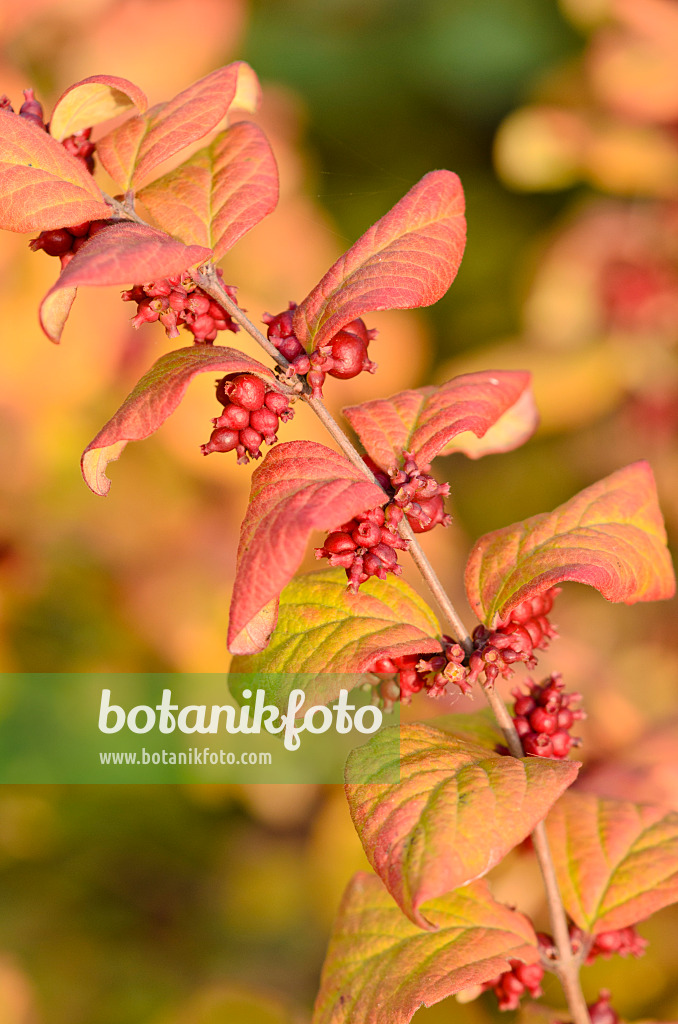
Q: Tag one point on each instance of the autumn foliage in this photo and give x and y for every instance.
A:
(468, 793)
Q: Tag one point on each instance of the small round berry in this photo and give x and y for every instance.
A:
(562, 743)
(265, 421)
(522, 725)
(538, 743)
(222, 440)
(338, 543)
(542, 721)
(349, 353)
(290, 348)
(433, 509)
(56, 242)
(367, 534)
(524, 705)
(79, 242)
(80, 229)
(301, 363)
(247, 391)
(276, 402)
(565, 719)
(251, 440)
(384, 666)
(96, 226)
(234, 417)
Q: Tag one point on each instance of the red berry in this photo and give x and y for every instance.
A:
(276, 402)
(522, 725)
(524, 705)
(265, 421)
(542, 721)
(367, 534)
(339, 543)
(538, 743)
(251, 440)
(565, 719)
(56, 242)
(222, 440)
(562, 744)
(234, 417)
(79, 242)
(349, 353)
(358, 328)
(247, 391)
(290, 348)
(433, 509)
(384, 666)
(97, 225)
(80, 229)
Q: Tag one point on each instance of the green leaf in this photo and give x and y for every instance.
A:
(380, 968)
(456, 812)
(616, 861)
(610, 536)
(323, 628)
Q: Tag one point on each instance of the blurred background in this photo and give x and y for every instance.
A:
(212, 905)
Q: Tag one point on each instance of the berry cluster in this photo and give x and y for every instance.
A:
(544, 716)
(417, 493)
(511, 985)
(65, 242)
(525, 629)
(624, 941)
(344, 356)
(366, 545)
(251, 413)
(410, 673)
(178, 300)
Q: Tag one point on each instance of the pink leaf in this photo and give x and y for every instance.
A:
(155, 397)
(380, 968)
(610, 536)
(93, 100)
(301, 486)
(124, 253)
(132, 151)
(616, 862)
(41, 185)
(409, 258)
(455, 812)
(497, 406)
(215, 197)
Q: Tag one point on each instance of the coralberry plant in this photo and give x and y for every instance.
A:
(426, 925)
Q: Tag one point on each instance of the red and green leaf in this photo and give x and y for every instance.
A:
(323, 630)
(610, 536)
(616, 862)
(455, 812)
(132, 151)
(476, 413)
(93, 100)
(300, 486)
(42, 186)
(214, 198)
(155, 397)
(407, 259)
(380, 968)
(124, 253)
